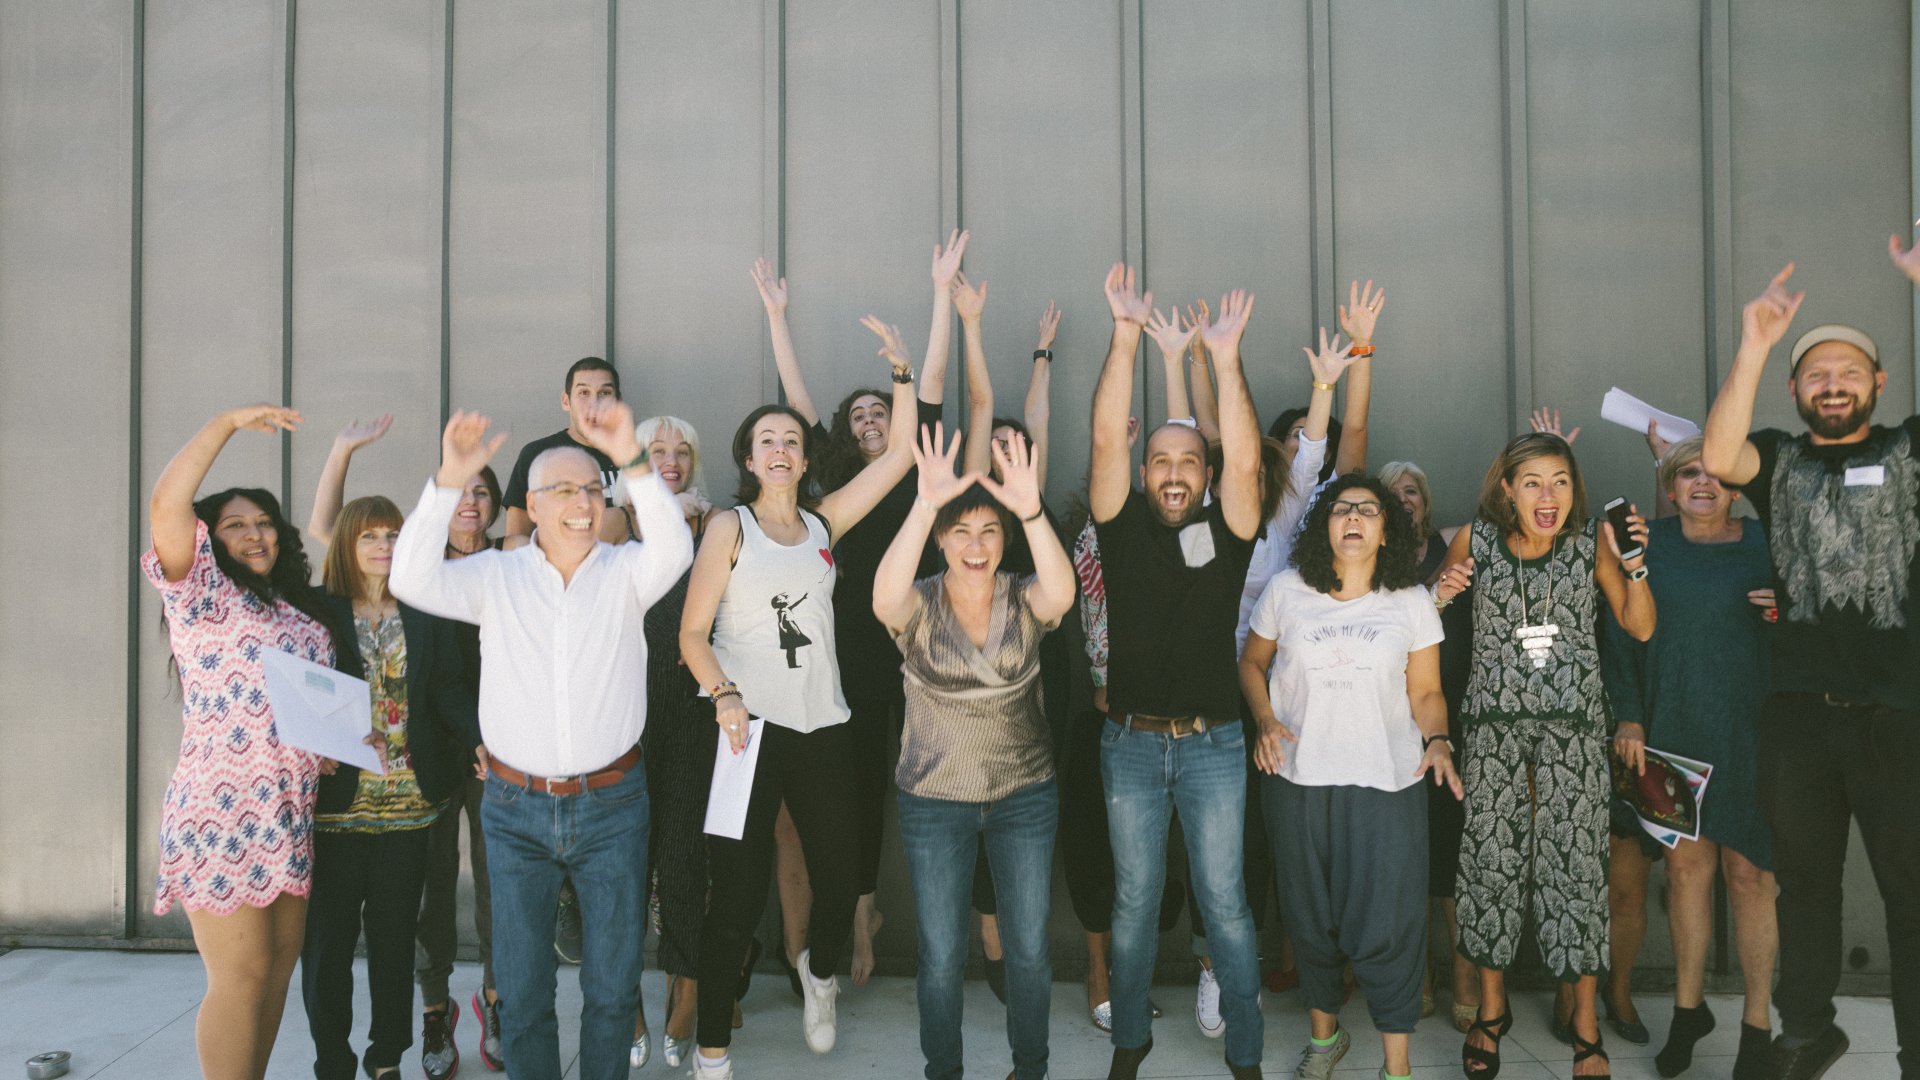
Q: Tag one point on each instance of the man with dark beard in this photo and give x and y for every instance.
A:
(1840, 733)
(1174, 567)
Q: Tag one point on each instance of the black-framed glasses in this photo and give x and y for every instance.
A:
(1367, 509)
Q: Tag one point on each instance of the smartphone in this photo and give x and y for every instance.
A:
(1617, 517)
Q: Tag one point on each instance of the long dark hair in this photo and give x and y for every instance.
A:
(749, 488)
(1395, 568)
(840, 459)
(290, 579)
(1278, 430)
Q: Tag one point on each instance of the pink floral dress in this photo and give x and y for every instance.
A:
(237, 825)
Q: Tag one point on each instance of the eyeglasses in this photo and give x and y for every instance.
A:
(567, 491)
(1364, 509)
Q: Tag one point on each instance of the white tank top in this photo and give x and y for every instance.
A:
(773, 631)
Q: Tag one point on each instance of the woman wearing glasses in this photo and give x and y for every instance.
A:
(1342, 671)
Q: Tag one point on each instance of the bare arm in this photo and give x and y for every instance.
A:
(331, 492)
(852, 501)
(1358, 317)
(773, 296)
(894, 598)
(1239, 429)
(1171, 337)
(1039, 407)
(1256, 657)
(1726, 451)
(1054, 585)
(1429, 706)
(1631, 601)
(1112, 458)
(946, 264)
(1206, 399)
(971, 302)
(170, 510)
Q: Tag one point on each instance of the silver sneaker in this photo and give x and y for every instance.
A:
(1317, 1064)
(819, 1021)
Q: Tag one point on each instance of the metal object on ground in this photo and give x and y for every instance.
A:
(48, 1065)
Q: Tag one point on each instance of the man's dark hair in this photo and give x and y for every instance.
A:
(749, 488)
(1396, 567)
(591, 363)
(1285, 420)
(974, 498)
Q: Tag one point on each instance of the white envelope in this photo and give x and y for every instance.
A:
(320, 710)
(733, 784)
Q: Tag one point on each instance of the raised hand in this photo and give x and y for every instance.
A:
(465, 448)
(1169, 334)
(946, 260)
(361, 432)
(968, 299)
(1019, 488)
(1331, 360)
(263, 418)
(937, 483)
(1198, 314)
(1123, 299)
(609, 429)
(1765, 318)
(1049, 324)
(891, 346)
(1655, 443)
(773, 289)
(1361, 311)
(1905, 259)
(1546, 421)
(1223, 333)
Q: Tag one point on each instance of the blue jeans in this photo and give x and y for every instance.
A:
(939, 836)
(1204, 776)
(598, 839)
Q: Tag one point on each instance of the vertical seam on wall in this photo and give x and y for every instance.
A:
(1516, 220)
(959, 128)
(130, 886)
(613, 52)
(1319, 157)
(1717, 209)
(1140, 122)
(446, 218)
(286, 254)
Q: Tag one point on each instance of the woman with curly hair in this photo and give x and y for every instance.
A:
(1342, 672)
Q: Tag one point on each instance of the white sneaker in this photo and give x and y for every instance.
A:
(818, 1019)
(703, 1071)
(1206, 1006)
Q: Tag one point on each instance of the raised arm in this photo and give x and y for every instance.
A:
(331, 492)
(1206, 398)
(1726, 451)
(773, 296)
(1112, 463)
(971, 302)
(894, 598)
(850, 503)
(170, 510)
(1631, 601)
(1171, 336)
(652, 566)
(1358, 317)
(1039, 407)
(421, 574)
(933, 372)
(1054, 584)
(1239, 429)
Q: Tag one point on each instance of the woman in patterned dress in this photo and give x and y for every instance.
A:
(1535, 716)
(236, 843)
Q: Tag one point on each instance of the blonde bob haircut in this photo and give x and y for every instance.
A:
(652, 427)
(1395, 471)
(340, 574)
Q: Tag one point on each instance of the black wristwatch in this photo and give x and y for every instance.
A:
(1431, 739)
(1043, 354)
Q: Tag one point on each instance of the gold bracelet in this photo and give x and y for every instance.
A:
(1318, 385)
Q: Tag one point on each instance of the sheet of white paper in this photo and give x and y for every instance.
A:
(1630, 412)
(732, 784)
(321, 711)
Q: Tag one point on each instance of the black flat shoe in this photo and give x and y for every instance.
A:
(1633, 1031)
(1582, 1050)
(1488, 1060)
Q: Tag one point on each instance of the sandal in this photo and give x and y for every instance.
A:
(1582, 1050)
(1488, 1060)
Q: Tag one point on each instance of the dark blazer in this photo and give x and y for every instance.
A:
(443, 720)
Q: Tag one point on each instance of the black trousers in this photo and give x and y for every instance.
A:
(438, 935)
(1821, 766)
(1084, 844)
(873, 728)
(812, 773)
(362, 883)
(679, 772)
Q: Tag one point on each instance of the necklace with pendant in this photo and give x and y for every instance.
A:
(1536, 639)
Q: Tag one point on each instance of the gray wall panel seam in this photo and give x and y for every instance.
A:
(287, 137)
(446, 217)
(1320, 237)
(130, 887)
(1517, 219)
(613, 70)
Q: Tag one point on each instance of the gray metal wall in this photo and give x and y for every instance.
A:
(361, 206)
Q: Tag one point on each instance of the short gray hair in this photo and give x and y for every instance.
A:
(1677, 457)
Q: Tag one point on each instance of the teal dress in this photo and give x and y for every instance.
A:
(1698, 685)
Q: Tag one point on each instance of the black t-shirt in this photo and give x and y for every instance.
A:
(1843, 525)
(1173, 600)
(869, 661)
(516, 493)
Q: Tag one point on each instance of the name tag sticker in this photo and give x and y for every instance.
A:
(1866, 476)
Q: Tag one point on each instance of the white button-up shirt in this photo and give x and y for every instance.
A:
(563, 674)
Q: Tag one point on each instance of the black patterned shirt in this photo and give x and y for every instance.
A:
(1503, 683)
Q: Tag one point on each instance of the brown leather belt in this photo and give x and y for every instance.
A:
(567, 785)
(1177, 726)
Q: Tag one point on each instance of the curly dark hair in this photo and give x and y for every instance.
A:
(749, 488)
(1395, 568)
(840, 459)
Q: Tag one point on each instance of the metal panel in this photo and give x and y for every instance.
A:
(211, 296)
(528, 191)
(862, 186)
(1615, 168)
(1431, 236)
(366, 275)
(690, 186)
(66, 137)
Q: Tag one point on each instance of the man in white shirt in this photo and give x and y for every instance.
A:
(562, 706)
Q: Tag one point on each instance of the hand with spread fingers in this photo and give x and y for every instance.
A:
(936, 456)
(1331, 360)
(773, 288)
(1223, 334)
(1168, 333)
(1361, 313)
(1547, 422)
(465, 448)
(946, 260)
(1124, 299)
(1019, 491)
(892, 348)
(1049, 326)
(969, 300)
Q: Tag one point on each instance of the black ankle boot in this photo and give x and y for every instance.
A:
(1756, 1050)
(1689, 1027)
(1126, 1063)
